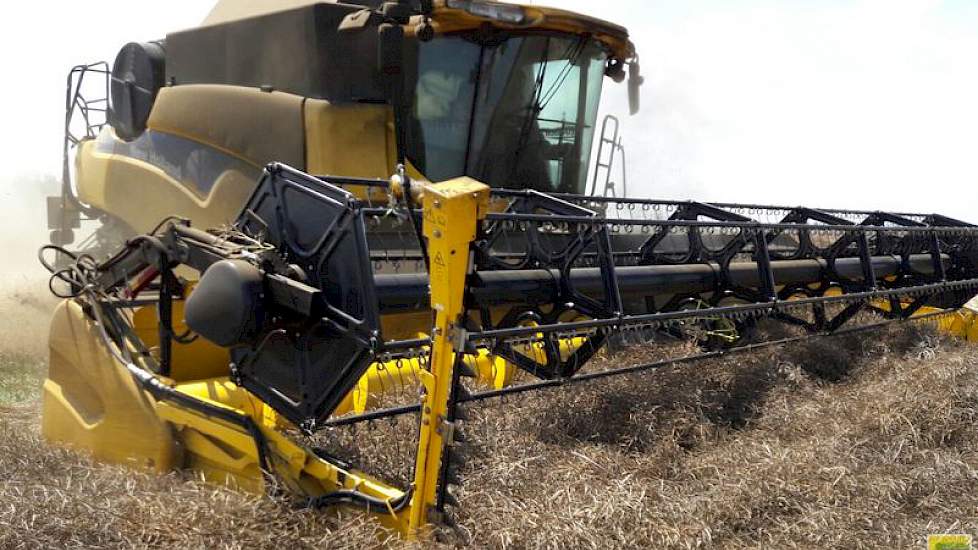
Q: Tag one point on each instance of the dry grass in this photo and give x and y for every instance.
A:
(866, 441)
(52, 498)
(740, 453)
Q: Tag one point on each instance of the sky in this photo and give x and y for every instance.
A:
(837, 103)
(864, 103)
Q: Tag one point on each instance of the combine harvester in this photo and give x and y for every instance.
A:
(273, 256)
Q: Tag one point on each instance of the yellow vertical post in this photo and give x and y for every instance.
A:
(452, 211)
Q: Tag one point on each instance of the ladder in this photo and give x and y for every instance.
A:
(605, 162)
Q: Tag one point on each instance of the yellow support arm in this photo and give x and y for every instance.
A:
(452, 211)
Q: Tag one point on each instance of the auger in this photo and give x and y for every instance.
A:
(384, 214)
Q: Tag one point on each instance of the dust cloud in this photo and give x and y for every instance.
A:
(25, 304)
(23, 223)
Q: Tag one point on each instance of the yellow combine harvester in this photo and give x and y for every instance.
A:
(272, 255)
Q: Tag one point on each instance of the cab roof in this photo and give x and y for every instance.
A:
(449, 16)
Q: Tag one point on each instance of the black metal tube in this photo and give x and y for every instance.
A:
(165, 311)
(347, 180)
(404, 292)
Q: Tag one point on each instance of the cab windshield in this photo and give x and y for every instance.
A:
(516, 112)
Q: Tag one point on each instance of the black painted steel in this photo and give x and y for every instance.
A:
(311, 58)
(400, 292)
(688, 261)
(304, 367)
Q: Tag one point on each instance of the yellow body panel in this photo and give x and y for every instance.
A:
(221, 453)
(969, 320)
(225, 453)
(92, 402)
(353, 140)
(141, 195)
(311, 135)
(255, 126)
(962, 323)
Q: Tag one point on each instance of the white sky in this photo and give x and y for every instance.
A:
(859, 103)
(864, 104)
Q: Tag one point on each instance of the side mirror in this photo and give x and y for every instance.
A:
(635, 80)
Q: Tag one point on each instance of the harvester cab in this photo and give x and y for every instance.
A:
(305, 206)
(500, 93)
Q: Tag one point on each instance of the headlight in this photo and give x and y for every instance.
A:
(506, 13)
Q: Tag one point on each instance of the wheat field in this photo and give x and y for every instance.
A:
(855, 442)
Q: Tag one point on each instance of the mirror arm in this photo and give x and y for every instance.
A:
(391, 61)
(635, 81)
